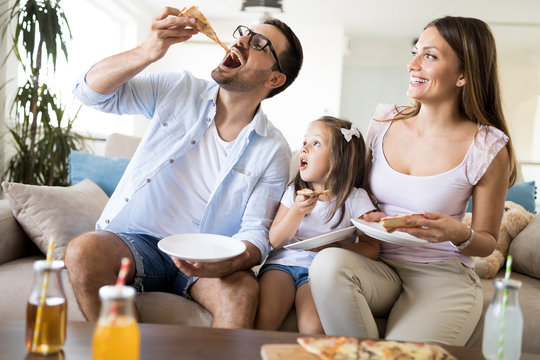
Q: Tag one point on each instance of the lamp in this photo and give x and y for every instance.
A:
(255, 5)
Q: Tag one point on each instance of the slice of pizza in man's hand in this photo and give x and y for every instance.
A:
(202, 24)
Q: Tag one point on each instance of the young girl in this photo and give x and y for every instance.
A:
(333, 158)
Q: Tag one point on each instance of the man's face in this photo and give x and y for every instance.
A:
(251, 67)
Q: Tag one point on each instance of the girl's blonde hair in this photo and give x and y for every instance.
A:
(349, 166)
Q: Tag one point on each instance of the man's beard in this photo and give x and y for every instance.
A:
(242, 81)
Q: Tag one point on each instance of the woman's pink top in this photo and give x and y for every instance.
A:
(447, 193)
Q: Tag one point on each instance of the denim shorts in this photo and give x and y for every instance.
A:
(299, 274)
(155, 270)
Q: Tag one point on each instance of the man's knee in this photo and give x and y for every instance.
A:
(243, 285)
(234, 293)
(76, 250)
(92, 253)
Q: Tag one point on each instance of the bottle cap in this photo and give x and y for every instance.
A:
(41, 265)
(116, 292)
(504, 283)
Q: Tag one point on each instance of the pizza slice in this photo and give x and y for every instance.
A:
(390, 223)
(309, 192)
(331, 347)
(202, 24)
(389, 349)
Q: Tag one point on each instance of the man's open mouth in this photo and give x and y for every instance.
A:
(233, 60)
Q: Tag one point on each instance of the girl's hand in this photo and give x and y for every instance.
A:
(437, 227)
(305, 204)
(319, 248)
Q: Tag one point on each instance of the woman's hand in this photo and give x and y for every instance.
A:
(374, 216)
(437, 227)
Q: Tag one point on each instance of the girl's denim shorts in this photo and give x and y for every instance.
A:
(299, 274)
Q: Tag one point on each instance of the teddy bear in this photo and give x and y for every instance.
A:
(514, 219)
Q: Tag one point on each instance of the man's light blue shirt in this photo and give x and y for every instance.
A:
(181, 107)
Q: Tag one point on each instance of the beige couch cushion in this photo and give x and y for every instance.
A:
(18, 276)
(120, 145)
(525, 249)
(46, 212)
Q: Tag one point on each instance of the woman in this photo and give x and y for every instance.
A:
(429, 158)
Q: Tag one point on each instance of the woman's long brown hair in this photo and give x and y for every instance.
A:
(349, 166)
(480, 98)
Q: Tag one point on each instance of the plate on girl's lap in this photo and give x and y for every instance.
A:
(375, 230)
(322, 240)
(201, 247)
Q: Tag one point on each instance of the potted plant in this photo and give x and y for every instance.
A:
(42, 130)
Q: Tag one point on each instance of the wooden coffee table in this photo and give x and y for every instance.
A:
(171, 341)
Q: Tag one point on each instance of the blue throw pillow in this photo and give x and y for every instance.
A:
(523, 193)
(104, 171)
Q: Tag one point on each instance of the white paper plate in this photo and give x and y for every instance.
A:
(376, 230)
(201, 247)
(322, 239)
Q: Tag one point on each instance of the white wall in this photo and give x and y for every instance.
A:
(375, 71)
(8, 87)
(3, 113)
(317, 90)
(112, 31)
(519, 65)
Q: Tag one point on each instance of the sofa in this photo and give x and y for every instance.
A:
(31, 212)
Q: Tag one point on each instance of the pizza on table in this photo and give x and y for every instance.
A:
(350, 348)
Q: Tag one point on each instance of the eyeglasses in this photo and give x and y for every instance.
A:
(256, 41)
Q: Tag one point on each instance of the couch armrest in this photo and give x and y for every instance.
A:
(14, 243)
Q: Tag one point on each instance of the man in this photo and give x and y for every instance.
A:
(209, 162)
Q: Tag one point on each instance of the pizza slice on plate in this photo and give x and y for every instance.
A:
(331, 347)
(202, 24)
(391, 223)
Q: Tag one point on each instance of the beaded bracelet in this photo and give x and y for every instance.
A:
(466, 243)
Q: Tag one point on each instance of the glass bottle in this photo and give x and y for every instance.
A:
(46, 310)
(116, 335)
(503, 324)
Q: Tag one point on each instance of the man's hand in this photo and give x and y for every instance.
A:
(220, 269)
(210, 270)
(167, 28)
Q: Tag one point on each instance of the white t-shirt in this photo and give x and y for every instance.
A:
(193, 184)
(314, 224)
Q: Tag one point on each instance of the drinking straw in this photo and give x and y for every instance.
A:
(504, 303)
(124, 267)
(39, 313)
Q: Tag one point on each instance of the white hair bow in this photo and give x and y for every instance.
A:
(348, 133)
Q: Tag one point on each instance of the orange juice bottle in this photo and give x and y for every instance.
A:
(116, 335)
(46, 310)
